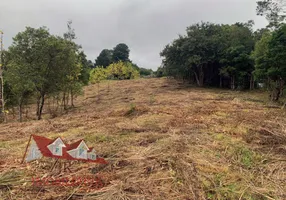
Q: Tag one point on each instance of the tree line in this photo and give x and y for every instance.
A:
(232, 56)
(39, 65)
(120, 53)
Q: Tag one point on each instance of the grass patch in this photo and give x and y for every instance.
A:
(93, 138)
(244, 156)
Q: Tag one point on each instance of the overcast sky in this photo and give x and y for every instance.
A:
(146, 26)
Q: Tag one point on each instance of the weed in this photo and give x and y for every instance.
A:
(219, 136)
(244, 156)
(132, 109)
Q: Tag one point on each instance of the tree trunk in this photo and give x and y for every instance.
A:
(64, 101)
(197, 78)
(275, 94)
(251, 86)
(282, 82)
(276, 91)
(220, 81)
(38, 105)
(20, 109)
(72, 105)
(201, 76)
(26, 113)
(41, 106)
(253, 83)
(190, 77)
(67, 101)
(232, 83)
(268, 84)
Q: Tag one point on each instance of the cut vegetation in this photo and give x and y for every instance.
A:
(162, 141)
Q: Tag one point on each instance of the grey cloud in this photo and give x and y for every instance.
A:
(146, 26)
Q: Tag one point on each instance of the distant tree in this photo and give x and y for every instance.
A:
(277, 54)
(145, 72)
(261, 58)
(160, 72)
(142, 71)
(121, 53)
(236, 57)
(90, 64)
(72, 84)
(135, 66)
(44, 62)
(122, 70)
(104, 59)
(196, 54)
(87, 65)
(274, 10)
(270, 60)
(97, 75)
(258, 34)
(212, 54)
(27, 52)
(20, 83)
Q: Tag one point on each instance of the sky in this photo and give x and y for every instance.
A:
(146, 26)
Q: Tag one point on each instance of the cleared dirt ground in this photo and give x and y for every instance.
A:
(162, 140)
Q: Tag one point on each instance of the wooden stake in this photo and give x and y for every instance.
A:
(26, 149)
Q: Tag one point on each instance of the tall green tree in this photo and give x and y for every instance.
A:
(274, 10)
(104, 59)
(19, 81)
(46, 63)
(261, 58)
(211, 54)
(121, 53)
(270, 60)
(73, 85)
(277, 54)
(87, 65)
(29, 56)
(236, 59)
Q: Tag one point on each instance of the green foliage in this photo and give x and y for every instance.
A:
(210, 53)
(277, 54)
(120, 53)
(270, 60)
(118, 71)
(160, 72)
(122, 70)
(261, 57)
(94, 138)
(274, 10)
(40, 65)
(104, 59)
(97, 75)
(145, 72)
(86, 67)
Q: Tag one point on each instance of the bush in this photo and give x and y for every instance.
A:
(122, 70)
(97, 74)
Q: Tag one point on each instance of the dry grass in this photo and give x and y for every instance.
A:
(162, 141)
